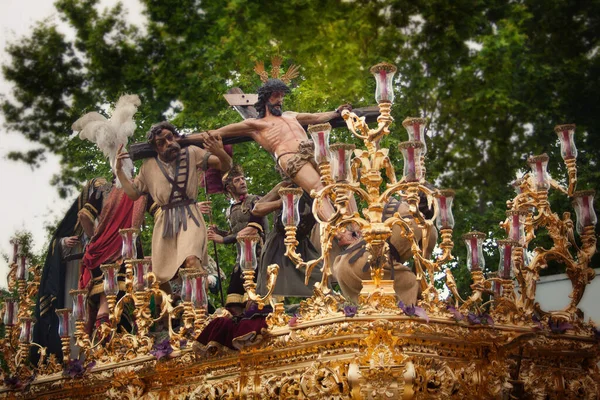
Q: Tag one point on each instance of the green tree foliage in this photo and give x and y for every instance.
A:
(494, 77)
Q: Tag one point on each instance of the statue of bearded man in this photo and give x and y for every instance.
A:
(282, 135)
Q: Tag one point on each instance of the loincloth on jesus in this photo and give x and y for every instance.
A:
(304, 155)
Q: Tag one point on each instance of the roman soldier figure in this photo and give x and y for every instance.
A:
(239, 215)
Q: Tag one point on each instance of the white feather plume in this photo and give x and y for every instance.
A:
(110, 134)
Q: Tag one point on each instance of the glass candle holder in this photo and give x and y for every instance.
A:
(63, 322)
(79, 304)
(22, 267)
(248, 243)
(516, 185)
(290, 215)
(566, 135)
(539, 171)
(415, 127)
(411, 151)
(341, 157)
(443, 200)
(186, 286)
(25, 335)
(320, 136)
(384, 79)
(140, 274)
(496, 286)
(505, 266)
(111, 283)
(11, 309)
(474, 242)
(129, 249)
(16, 249)
(199, 295)
(516, 225)
(583, 203)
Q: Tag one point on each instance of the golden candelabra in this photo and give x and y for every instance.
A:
(341, 190)
(248, 263)
(17, 310)
(364, 181)
(135, 292)
(528, 212)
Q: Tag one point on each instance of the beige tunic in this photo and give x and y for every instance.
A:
(349, 273)
(168, 253)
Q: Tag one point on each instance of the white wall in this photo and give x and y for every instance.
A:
(553, 294)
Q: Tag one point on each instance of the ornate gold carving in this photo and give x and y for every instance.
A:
(321, 381)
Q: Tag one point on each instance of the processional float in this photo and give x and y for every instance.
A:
(457, 347)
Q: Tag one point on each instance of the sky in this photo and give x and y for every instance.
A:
(29, 202)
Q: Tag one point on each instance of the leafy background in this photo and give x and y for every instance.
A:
(493, 77)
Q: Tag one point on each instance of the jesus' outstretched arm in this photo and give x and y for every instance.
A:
(319, 118)
(244, 128)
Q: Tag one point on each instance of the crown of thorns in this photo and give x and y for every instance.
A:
(292, 72)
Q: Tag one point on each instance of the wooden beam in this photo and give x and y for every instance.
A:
(241, 99)
(242, 103)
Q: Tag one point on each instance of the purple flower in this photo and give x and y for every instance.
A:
(413, 311)
(559, 326)
(457, 314)
(473, 318)
(182, 343)
(162, 349)
(293, 321)
(15, 383)
(12, 381)
(487, 319)
(76, 369)
(480, 319)
(537, 322)
(350, 310)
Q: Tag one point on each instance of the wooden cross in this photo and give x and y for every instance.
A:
(244, 104)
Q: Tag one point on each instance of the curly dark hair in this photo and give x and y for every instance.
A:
(158, 128)
(265, 91)
(234, 172)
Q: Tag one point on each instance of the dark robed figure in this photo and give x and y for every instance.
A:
(60, 273)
